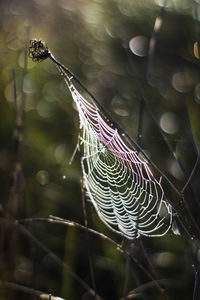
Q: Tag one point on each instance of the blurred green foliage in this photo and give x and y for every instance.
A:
(92, 39)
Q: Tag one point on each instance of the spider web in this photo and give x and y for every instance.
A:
(118, 180)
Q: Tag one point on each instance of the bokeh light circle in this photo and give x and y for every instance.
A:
(169, 123)
(42, 177)
(179, 82)
(139, 45)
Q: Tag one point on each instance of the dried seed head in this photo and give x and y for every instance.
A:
(38, 51)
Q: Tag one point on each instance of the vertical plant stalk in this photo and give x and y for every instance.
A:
(140, 121)
(153, 41)
(17, 178)
(9, 237)
(88, 239)
(127, 277)
(196, 292)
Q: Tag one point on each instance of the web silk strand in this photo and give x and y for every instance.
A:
(118, 181)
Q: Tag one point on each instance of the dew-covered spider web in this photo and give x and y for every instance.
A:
(118, 180)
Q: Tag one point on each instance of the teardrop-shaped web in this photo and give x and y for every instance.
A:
(118, 181)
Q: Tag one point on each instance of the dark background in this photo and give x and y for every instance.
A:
(39, 131)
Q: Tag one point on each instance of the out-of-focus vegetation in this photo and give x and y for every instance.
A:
(105, 43)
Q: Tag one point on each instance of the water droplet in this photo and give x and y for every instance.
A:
(64, 177)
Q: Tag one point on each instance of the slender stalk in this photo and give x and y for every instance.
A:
(196, 292)
(25, 289)
(127, 277)
(88, 239)
(191, 174)
(136, 293)
(141, 114)
(57, 220)
(154, 37)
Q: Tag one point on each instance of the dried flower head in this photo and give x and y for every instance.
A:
(38, 51)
